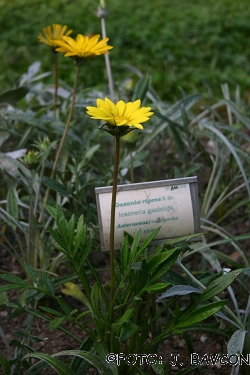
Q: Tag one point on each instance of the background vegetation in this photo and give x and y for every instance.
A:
(195, 45)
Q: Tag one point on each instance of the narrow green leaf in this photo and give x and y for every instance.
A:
(58, 239)
(179, 290)
(6, 287)
(56, 186)
(236, 342)
(102, 366)
(14, 279)
(124, 319)
(91, 151)
(200, 314)
(5, 364)
(128, 329)
(52, 210)
(164, 267)
(71, 231)
(3, 298)
(14, 95)
(65, 307)
(79, 234)
(148, 240)
(51, 311)
(155, 287)
(141, 88)
(155, 261)
(218, 285)
(124, 254)
(32, 273)
(134, 247)
(56, 364)
(47, 283)
(12, 206)
(55, 323)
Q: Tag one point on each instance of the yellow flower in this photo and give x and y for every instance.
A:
(129, 114)
(83, 48)
(52, 34)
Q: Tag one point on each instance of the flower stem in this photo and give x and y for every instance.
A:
(112, 230)
(62, 141)
(107, 62)
(56, 82)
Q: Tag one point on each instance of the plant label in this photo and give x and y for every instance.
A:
(169, 204)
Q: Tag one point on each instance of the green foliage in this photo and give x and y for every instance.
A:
(192, 45)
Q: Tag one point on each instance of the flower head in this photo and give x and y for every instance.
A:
(52, 34)
(31, 160)
(83, 48)
(120, 115)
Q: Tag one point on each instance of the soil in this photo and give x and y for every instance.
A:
(173, 349)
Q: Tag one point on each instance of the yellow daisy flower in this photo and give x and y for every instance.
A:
(52, 34)
(129, 114)
(83, 48)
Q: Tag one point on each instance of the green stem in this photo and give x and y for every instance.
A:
(107, 62)
(112, 230)
(39, 189)
(56, 82)
(59, 151)
(31, 255)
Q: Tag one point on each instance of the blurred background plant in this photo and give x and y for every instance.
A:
(188, 44)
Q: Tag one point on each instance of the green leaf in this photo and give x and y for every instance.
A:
(200, 314)
(55, 323)
(179, 290)
(124, 319)
(51, 311)
(56, 364)
(236, 342)
(14, 168)
(128, 329)
(79, 234)
(6, 287)
(58, 240)
(124, 254)
(148, 240)
(13, 96)
(32, 273)
(47, 283)
(3, 298)
(219, 285)
(52, 210)
(91, 151)
(175, 279)
(102, 366)
(14, 279)
(141, 88)
(5, 364)
(65, 307)
(12, 206)
(70, 233)
(134, 247)
(56, 186)
(164, 266)
(155, 287)
(157, 260)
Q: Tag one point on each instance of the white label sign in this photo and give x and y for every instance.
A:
(171, 205)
